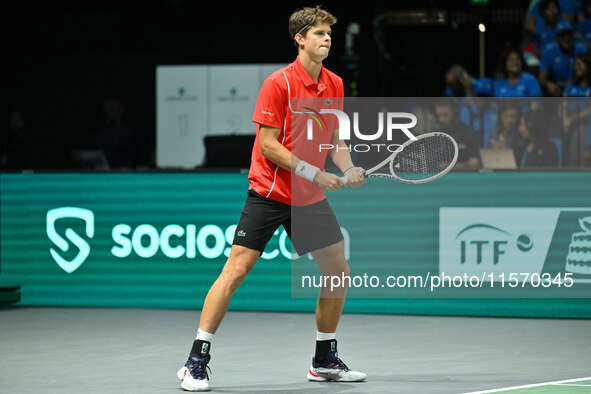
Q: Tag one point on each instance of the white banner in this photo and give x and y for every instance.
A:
(195, 101)
(234, 92)
(181, 115)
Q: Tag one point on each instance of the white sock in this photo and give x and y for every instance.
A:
(325, 336)
(204, 335)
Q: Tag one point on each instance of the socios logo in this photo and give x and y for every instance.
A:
(174, 241)
(74, 238)
(478, 241)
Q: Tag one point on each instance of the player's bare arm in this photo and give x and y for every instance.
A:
(273, 150)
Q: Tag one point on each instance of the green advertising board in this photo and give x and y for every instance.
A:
(159, 240)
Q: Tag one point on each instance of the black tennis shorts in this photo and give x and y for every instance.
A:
(313, 227)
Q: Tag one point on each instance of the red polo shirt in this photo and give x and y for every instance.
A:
(292, 87)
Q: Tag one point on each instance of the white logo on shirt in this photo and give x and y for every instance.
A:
(267, 113)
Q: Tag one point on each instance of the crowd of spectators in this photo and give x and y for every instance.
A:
(514, 109)
(536, 104)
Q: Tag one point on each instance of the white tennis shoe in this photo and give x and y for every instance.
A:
(194, 373)
(333, 369)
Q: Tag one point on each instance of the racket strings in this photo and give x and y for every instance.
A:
(424, 158)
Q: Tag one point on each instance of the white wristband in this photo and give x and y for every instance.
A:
(306, 170)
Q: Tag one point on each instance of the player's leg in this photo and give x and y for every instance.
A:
(326, 365)
(259, 220)
(332, 263)
(240, 262)
(315, 229)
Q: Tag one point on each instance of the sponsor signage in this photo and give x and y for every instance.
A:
(515, 240)
(161, 239)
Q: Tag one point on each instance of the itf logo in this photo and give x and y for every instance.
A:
(84, 248)
(495, 240)
(492, 238)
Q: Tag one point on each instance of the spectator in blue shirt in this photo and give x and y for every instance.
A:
(558, 59)
(534, 148)
(515, 82)
(581, 82)
(568, 11)
(546, 25)
(507, 132)
(482, 113)
(447, 112)
(584, 27)
(474, 112)
(575, 113)
(482, 87)
(458, 83)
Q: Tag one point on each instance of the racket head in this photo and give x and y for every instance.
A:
(425, 159)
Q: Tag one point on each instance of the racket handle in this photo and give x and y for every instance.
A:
(345, 179)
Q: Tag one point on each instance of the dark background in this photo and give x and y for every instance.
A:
(62, 60)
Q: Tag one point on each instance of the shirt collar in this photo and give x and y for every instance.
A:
(305, 77)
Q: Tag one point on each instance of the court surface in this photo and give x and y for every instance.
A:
(71, 350)
(580, 385)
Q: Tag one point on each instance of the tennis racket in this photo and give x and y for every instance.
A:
(425, 159)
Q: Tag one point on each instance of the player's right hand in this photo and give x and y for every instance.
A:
(328, 181)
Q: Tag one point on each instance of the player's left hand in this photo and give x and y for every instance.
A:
(355, 177)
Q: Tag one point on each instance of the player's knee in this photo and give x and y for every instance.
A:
(234, 276)
(346, 270)
(337, 267)
(342, 270)
(236, 270)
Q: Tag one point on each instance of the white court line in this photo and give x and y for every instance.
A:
(570, 384)
(526, 386)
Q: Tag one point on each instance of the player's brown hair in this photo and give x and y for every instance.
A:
(300, 21)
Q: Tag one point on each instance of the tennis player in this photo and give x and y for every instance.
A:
(270, 202)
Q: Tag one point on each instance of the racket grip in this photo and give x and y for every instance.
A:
(345, 179)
